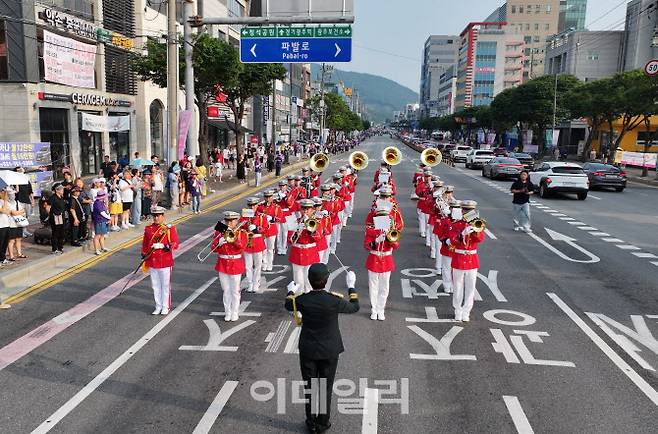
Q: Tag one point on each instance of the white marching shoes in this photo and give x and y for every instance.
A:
(380, 316)
(165, 311)
(156, 312)
(373, 316)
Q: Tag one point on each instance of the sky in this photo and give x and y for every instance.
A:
(389, 34)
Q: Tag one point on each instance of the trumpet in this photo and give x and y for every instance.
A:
(230, 235)
(431, 157)
(358, 160)
(392, 156)
(319, 162)
(393, 235)
(479, 224)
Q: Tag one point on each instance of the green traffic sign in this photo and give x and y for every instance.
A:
(296, 32)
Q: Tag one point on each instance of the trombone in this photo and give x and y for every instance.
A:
(431, 157)
(310, 225)
(358, 160)
(230, 235)
(319, 162)
(392, 156)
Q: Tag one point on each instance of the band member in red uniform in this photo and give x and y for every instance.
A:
(418, 175)
(316, 181)
(160, 241)
(304, 248)
(257, 226)
(380, 264)
(351, 180)
(296, 194)
(230, 263)
(437, 198)
(383, 165)
(386, 196)
(465, 263)
(275, 217)
(422, 191)
(324, 229)
(444, 232)
(338, 208)
(345, 193)
(281, 230)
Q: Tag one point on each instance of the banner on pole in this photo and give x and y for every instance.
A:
(184, 120)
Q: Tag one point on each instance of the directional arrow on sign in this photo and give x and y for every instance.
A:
(556, 236)
(337, 50)
(253, 50)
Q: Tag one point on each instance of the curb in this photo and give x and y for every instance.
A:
(40, 274)
(646, 181)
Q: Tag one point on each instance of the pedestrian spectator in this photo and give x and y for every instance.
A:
(258, 170)
(218, 167)
(137, 166)
(184, 174)
(270, 161)
(78, 221)
(68, 184)
(56, 208)
(592, 154)
(127, 190)
(522, 189)
(232, 159)
(241, 170)
(156, 161)
(124, 161)
(201, 176)
(173, 180)
(115, 205)
(86, 201)
(278, 162)
(158, 183)
(100, 218)
(556, 153)
(5, 216)
(136, 210)
(194, 187)
(14, 247)
(147, 194)
(25, 196)
(106, 167)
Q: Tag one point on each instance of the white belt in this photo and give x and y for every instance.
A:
(304, 246)
(285, 209)
(373, 252)
(257, 235)
(230, 256)
(466, 252)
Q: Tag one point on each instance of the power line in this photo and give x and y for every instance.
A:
(388, 53)
(623, 2)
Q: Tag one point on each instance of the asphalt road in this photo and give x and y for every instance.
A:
(560, 340)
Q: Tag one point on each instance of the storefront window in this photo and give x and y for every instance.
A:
(54, 125)
(91, 148)
(156, 112)
(4, 71)
(119, 142)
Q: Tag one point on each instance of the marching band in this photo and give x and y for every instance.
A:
(308, 216)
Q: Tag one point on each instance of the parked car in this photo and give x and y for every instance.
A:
(525, 159)
(558, 176)
(605, 175)
(502, 167)
(478, 157)
(447, 149)
(458, 154)
(500, 151)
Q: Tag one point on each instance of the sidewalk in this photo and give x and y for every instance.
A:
(633, 174)
(42, 269)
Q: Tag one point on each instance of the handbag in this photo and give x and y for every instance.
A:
(21, 221)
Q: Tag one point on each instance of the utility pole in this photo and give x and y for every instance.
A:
(192, 144)
(325, 69)
(172, 82)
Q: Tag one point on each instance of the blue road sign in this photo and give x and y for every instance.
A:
(295, 50)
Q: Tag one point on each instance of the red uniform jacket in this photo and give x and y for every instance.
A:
(442, 230)
(380, 259)
(305, 250)
(417, 177)
(257, 243)
(229, 259)
(351, 180)
(165, 234)
(325, 228)
(276, 213)
(396, 218)
(296, 194)
(284, 204)
(334, 207)
(465, 261)
(345, 192)
(424, 194)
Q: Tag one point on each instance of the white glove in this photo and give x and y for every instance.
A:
(292, 287)
(350, 279)
(221, 242)
(467, 231)
(448, 242)
(158, 246)
(252, 228)
(270, 218)
(380, 238)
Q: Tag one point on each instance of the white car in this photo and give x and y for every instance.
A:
(554, 176)
(458, 154)
(478, 158)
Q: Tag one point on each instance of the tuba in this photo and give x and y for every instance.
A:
(319, 162)
(358, 160)
(392, 156)
(431, 157)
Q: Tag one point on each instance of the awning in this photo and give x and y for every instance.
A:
(226, 125)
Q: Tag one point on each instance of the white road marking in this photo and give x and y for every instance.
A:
(645, 255)
(655, 263)
(490, 234)
(567, 219)
(370, 410)
(628, 247)
(600, 234)
(556, 236)
(593, 197)
(625, 368)
(94, 384)
(216, 337)
(559, 214)
(587, 228)
(208, 420)
(613, 240)
(519, 418)
(577, 223)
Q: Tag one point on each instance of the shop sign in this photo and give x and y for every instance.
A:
(34, 157)
(101, 124)
(68, 61)
(84, 99)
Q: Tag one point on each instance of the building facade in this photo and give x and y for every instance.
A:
(447, 92)
(587, 55)
(439, 53)
(640, 34)
(490, 60)
(572, 15)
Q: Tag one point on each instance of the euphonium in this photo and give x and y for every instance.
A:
(392, 155)
(358, 160)
(319, 162)
(431, 157)
(479, 224)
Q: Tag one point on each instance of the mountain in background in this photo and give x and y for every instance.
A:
(380, 95)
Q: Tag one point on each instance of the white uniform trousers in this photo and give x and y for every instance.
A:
(463, 284)
(446, 273)
(428, 231)
(230, 284)
(281, 238)
(300, 276)
(335, 235)
(161, 284)
(324, 255)
(422, 222)
(340, 226)
(253, 263)
(351, 206)
(378, 284)
(439, 258)
(346, 213)
(434, 245)
(268, 255)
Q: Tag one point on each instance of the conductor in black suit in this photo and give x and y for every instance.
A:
(320, 342)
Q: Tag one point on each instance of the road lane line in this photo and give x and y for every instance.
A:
(370, 410)
(577, 223)
(655, 263)
(42, 334)
(210, 417)
(627, 247)
(567, 219)
(612, 240)
(600, 234)
(518, 415)
(644, 255)
(94, 384)
(594, 197)
(625, 368)
(587, 228)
